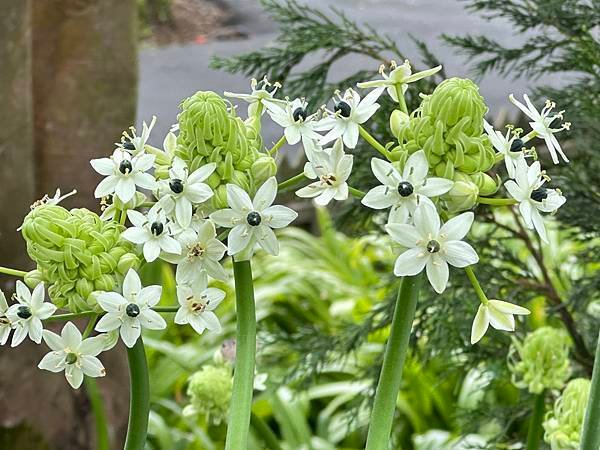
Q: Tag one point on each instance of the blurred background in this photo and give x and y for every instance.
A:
(75, 73)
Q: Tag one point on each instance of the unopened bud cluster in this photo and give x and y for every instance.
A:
(76, 254)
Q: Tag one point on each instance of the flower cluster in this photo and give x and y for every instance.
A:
(444, 162)
(211, 191)
(541, 360)
(564, 422)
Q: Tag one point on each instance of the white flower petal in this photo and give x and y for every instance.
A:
(460, 254)
(404, 234)
(437, 273)
(457, 227)
(53, 362)
(411, 262)
(480, 324)
(279, 216)
(265, 195)
(238, 199)
(131, 284)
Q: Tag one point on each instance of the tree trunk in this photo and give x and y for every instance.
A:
(85, 74)
(16, 138)
(82, 85)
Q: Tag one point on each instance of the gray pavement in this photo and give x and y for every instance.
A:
(172, 73)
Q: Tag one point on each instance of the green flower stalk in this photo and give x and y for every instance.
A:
(541, 361)
(448, 126)
(210, 392)
(563, 424)
(76, 254)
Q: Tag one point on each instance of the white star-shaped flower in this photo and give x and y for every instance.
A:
(503, 145)
(261, 95)
(496, 313)
(541, 124)
(349, 112)
(152, 233)
(182, 190)
(296, 122)
(5, 325)
(133, 143)
(253, 221)
(73, 355)
(123, 173)
(404, 192)
(197, 306)
(399, 76)
(26, 316)
(131, 311)
(533, 197)
(331, 167)
(201, 253)
(432, 247)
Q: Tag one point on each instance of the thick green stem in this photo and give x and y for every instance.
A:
(390, 378)
(139, 397)
(95, 396)
(265, 433)
(373, 142)
(534, 435)
(243, 379)
(290, 182)
(497, 201)
(401, 100)
(590, 437)
(12, 272)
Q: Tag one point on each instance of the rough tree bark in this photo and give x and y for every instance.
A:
(75, 61)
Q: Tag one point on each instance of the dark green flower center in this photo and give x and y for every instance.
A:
(157, 228)
(253, 218)
(125, 167)
(299, 114)
(132, 310)
(517, 145)
(71, 358)
(405, 188)
(539, 194)
(24, 312)
(433, 246)
(176, 185)
(343, 108)
(128, 145)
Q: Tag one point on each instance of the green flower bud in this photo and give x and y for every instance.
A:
(262, 169)
(541, 361)
(448, 127)
(463, 194)
(33, 278)
(128, 261)
(209, 131)
(74, 251)
(454, 100)
(564, 422)
(210, 391)
(398, 121)
(219, 200)
(486, 184)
